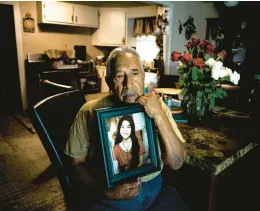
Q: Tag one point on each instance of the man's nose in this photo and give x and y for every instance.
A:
(128, 81)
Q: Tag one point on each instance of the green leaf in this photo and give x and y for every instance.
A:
(195, 83)
(212, 103)
(221, 92)
(199, 93)
(194, 73)
(206, 69)
(207, 57)
(198, 101)
(208, 90)
(212, 95)
(180, 71)
(205, 100)
(184, 91)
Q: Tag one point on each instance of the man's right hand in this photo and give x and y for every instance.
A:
(124, 191)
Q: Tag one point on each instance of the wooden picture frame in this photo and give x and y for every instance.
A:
(118, 167)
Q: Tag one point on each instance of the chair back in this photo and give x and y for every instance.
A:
(50, 88)
(52, 119)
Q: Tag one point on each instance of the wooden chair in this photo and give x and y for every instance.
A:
(52, 118)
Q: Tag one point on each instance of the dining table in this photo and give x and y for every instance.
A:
(214, 149)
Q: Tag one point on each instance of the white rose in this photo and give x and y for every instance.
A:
(216, 70)
(225, 72)
(211, 62)
(235, 77)
(215, 73)
(218, 65)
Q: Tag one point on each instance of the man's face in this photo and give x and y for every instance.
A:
(127, 78)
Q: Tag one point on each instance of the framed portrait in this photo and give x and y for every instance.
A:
(128, 141)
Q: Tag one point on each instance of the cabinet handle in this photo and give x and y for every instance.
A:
(76, 18)
(72, 19)
(123, 40)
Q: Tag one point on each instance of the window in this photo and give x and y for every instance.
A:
(146, 47)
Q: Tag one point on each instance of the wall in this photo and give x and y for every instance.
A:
(181, 11)
(54, 36)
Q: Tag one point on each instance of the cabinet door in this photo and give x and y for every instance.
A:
(58, 12)
(112, 27)
(85, 16)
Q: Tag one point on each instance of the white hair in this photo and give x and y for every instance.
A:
(120, 51)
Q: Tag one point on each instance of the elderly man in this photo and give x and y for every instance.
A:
(125, 78)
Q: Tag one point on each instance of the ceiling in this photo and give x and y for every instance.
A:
(114, 3)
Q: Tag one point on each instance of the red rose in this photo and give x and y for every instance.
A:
(186, 57)
(210, 48)
(195, 41)
(223, 54)
(189, 45)
(203, 44)
(198, 62)
(175, 56)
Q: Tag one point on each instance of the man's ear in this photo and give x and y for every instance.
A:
(109, 82)
(143, 75)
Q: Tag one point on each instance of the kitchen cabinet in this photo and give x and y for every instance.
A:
(85, 15)
(112, 27)
(130, 39)
(64, 13)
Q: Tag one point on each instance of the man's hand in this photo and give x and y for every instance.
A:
(151, 105)
(124, 191)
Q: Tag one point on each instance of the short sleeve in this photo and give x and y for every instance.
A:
(78, 143)
(172, 121)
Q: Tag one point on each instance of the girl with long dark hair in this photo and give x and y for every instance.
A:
(127, 149)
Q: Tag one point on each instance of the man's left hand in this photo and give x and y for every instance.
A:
(151, 105)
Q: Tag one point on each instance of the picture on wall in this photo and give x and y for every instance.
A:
(129, 143)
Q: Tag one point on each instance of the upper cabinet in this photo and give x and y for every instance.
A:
(112, 27)
(85, 15)
(67, 14)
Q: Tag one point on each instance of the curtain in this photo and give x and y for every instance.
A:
(144, 26)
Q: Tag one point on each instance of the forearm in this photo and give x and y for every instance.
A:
(84, 180)
(174, 149)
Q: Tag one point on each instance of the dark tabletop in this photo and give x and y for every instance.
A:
(213, 150)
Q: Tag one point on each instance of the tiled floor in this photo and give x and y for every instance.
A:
(22, 162)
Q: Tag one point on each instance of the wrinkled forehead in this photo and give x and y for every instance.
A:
(123, 61)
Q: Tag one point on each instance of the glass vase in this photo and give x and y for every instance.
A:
(194, 107)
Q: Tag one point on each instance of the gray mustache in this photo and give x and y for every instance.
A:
(129, 92)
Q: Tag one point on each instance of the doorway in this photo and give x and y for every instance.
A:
(10, 93)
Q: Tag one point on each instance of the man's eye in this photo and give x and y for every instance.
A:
(135, 73)
(119, 76)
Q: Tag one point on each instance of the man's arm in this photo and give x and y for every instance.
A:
(174, 149)
(122, 191)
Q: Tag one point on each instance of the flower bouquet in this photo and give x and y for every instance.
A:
(201, 75)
